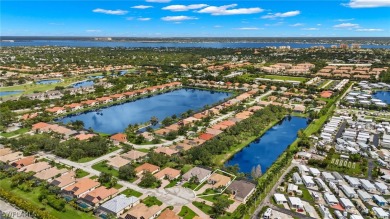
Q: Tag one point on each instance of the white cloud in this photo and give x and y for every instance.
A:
(184, 7)
(281, 15)
(296, 25)
(142, 6)
(249, 28)
(159, 1)
(369, 30)
(93, 31)
(113, 12)
(130, 18)
(346, 25)
(144, 19)
(368, 3)
(275, 24)
(344, 20)
(310, 28)
(226, 10)
(178, 18)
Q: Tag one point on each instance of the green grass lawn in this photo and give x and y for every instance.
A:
(151, 200)
(189, 185)
(32, 197)
(130, 192)
(17, 132)
(306, 195)
(203, 207)
(86, 159)
(81, 173)
(286, 78)
(102, 167)
(172, 183)
(213, 198)
(143, 150)
(186, 168)
(187, 213)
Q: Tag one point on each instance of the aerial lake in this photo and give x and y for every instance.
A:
(382, 95)
(267, 148)
(86, 83)
(116, 118)
(130, 44)
(52, 81)
(6, 93)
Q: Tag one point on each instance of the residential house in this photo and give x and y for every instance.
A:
(5, 151)
(142, 211)
(64, 180)
(81, 187)
(352, 181)
(295, 202)
(168, 214)
(166, 150)
(242, 190)
(364, 196)
(379, 200)
(35, 167)
(118, 205)
(147, 167)
(99, 195)
(117, 162)
(328, 177)
(134, 155)
(56, 110)
(330, 199)
(308, 181)
(314, 171)
(24, 162)
(348, 191)
(217, 180)
(346, 203)
(119, 138)
(297, 179)
(381, 187)
(280, 198)
(11, 157)
(83, 137)
(199, 173)
(367, 185)
(380, 213)
(104, 100)
(50, 173)
(168, 173)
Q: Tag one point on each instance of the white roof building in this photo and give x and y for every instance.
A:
(346, 203)
(380, 213)
(381, 187)
(355, 216)
(295, 202)
(331, 199)
(303, 169)
(280, 198)
(352, 181)
(367, 185)
(348, 191)
(327, 176)
(292, 188)
(297, 179)
(314, 171)
(364, 196)
(308, 181)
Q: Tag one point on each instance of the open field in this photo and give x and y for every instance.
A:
(286, 78)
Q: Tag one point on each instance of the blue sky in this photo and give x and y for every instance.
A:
(171, 18)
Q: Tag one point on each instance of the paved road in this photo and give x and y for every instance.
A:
(258, 98)
(266, 200)
(323, 86)
(291, 213)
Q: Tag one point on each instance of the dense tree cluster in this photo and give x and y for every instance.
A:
(72, 148)
(240, 132)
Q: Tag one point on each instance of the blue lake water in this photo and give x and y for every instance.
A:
(116, 118)
(83, 84)
(96, 77)
(267, 148)
(86, 43)
(6, 93)
(52, 81)
(382, 95)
